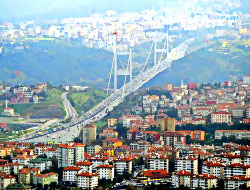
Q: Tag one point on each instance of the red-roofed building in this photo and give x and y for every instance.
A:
(157, 161)
(188, 163)
(182, 178)
(6, 179)
(70, 173)
(155, 174)
(213, 168)
(221, 117)
(106, 172)
(86, 166)
(235, 182)
(237, 169)
(173, 139)
(68, 154)
(98, 160)
(45, 179)
(87, 180)
(123, 164)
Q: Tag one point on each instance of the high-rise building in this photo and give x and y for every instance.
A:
(168, 86)
(69, 154)
(166, 124)
(112, 122)
(89, 134)
(170, 124)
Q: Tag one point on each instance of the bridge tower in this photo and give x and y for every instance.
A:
(120, 72)
(165, 49)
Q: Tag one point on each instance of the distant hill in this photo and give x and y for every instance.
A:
(67, 63)
(55, 62)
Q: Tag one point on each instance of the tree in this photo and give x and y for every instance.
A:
(77, 140)
(53, 185)
(221, 184)
(122, 131)
(232, 138)
(46, 187)
(243, 187)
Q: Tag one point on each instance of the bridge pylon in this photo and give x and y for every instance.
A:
(165, 49)
(120, 72)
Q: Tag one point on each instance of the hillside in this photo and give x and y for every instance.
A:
(60, 62)
(55, 62)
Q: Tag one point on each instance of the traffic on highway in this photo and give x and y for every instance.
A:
(69, 131)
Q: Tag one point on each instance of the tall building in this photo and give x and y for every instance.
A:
(89, 134)
(168, 86)
(69, 154)
(166, 123)
(170, 124)
(157, 161)
(189, 164)
(112, 122)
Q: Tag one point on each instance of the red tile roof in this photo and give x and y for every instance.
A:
(238, 178)
(155, 173)
(87, 174)
(84, 163)
(105, 166)
(183, 173)
(71, 168)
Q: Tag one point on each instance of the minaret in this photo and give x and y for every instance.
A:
(6, 103)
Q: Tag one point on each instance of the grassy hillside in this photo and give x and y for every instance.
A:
(84, 101)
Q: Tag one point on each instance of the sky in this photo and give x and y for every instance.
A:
(18, 10)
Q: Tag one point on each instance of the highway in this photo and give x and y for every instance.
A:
(70, 110)
(69, 131)
(38, 129)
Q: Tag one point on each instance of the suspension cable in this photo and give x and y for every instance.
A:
(110, 74)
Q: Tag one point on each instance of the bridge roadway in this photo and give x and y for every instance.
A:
(71, 130)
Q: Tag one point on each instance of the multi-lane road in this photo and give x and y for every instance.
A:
(70, 110)
(69, 131)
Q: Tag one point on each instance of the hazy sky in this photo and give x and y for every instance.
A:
(36, 9)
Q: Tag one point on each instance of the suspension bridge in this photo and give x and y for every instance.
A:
(115, 96)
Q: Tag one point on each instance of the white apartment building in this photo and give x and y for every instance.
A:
(189, 164)
(239, 134)
(87, 180)
(70, 173)
(213, 168)
(237, 169)
(106, 172)
(86, 166)
(221, 117)
(97, 161)
(40, 149)
(235, 182)
(51, 152)
(68, 155)
(187, 179)
(123, 164)
(157, 162)
(182, 178)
